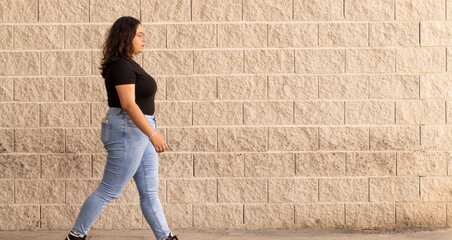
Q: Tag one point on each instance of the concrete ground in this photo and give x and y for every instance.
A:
(404, 234)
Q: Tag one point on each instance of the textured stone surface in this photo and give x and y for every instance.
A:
(369, 10)
(394, 34)
(58, 11)
(85, 36)
(19, 11)
(421, 112)
(6, 37)
(310, 10)
(271, 10)
(242, 35)
(6, 89)
(216, 10)
(435, 189)
(242, 139)
(344, 138)
(20, 166)
(293, 138)
(394, 86)
(168, 62)
(7, 193)
(421, 60)
(369, 112)
(192, 139)
(436, 34)
(268, 216)
(395, 138)
(421, 215)
(83, 89)
(217, 113)
(77, 190)
(191, 36)
(343, 34)
(38, 37)
(175, 165)
(319, 112)
(178, 216)
(269, 165)
(68, 63)
(155, 35)
(343, 190)
(370, 215)
(39, 191)
(242, 87)
(436, 85)
(371, 164)
(59, 217)
(268, 113)
(313, 61)
(293, 35)
(110, 10)
(422, 163)
(287, 190)
(218, 216)
(99, 161)
(165, 10)
(190, 88)
(436, 137)
(242, 190)
(30, 140)
(293, 87)
(320, 164)
(191, 191)
(218, 165)
(6, 140)
(314, 215)
(373, 60)
(174, 113)
(269, 61)
(66, 166)
(218, 61)
(343, 87)
(420, 10)
(64, 114)
(27, 62)
(20, 217)
(83, 140)
(394, 189)
(42, 89)
(19, 115)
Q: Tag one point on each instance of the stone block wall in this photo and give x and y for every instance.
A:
(279, 114)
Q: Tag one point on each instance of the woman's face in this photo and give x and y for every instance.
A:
(138, 41)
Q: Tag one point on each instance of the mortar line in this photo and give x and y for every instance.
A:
(37, 8)
(216, 31)
(318, 87)
(294, 214)
(40, 167)
(318, 190)
(242, 21)
(293, 18)
(345, 214)
(395, 8)
(140, 10)
(345, 164)
(217, 189)
(193, 162)
(343, 8)
(369, 139)
(368, 189)
(420, 36)
(243, 215)
(295, 163)
(445, 12)
(217, 141)
(39, 114)
(193, 214)
(266, 88)
(293, 112)
(89, 11)
(14, 191)
(191, 10)
(268, 192)
(92, 166)
(419, 86)
(40, 215)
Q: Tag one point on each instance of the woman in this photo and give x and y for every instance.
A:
(128, 132)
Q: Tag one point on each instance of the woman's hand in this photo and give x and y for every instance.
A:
(158, 142)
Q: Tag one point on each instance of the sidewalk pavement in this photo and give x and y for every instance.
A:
(405, 234)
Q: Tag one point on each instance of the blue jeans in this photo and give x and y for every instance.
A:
(130, 154)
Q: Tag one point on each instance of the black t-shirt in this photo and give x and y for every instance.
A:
(124, 71)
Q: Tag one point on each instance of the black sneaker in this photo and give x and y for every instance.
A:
(74, 236)
(171, 237)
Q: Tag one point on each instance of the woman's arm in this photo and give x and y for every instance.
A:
(126, 93)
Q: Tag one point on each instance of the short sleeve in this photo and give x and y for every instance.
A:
(122, 73)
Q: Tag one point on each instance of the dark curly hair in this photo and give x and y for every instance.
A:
(119, 40)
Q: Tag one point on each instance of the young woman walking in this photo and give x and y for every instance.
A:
(128, 132)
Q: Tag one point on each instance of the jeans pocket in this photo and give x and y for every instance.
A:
(104, 130)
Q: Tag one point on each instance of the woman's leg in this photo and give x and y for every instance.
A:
(125, 146)
(147, 181)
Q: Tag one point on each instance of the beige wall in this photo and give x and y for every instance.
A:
(278, 113)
